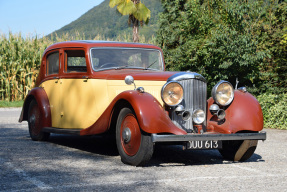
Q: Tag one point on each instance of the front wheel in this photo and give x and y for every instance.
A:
(135, 147)
(238, 150)
(35, 123)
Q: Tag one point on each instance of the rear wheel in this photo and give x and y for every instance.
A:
(35, 123)
(238, 150)
(135, 147)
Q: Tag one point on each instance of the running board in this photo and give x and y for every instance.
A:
(62, 131)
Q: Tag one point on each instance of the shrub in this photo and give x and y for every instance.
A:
(274, 110)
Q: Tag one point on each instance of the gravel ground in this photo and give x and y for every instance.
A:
(70, 163)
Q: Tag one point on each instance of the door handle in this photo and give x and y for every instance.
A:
(57, 79)
(85, 78)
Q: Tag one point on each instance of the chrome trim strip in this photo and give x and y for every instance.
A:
(186, 75)
(203, 137)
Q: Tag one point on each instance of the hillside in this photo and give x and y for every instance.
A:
(104, 21)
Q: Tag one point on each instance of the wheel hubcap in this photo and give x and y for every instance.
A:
(32, 120)
(130, 135)
(126, 135)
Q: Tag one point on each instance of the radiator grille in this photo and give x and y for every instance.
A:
(194, 98)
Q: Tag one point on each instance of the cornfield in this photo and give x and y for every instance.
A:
(20, 60)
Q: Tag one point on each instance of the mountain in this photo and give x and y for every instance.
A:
(106, 22)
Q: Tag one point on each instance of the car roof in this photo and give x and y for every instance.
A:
(93, 43)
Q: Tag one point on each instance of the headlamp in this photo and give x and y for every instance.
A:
(172, 93)
(223, 93)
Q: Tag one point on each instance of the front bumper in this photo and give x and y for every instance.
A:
(204, 137)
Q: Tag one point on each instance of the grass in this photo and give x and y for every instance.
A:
(11, 104)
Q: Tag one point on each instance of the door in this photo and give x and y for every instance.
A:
(78, 102)
(52, 85)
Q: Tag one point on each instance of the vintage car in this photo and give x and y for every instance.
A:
(96, 87)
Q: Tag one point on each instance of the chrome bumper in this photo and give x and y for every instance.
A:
(205, 137)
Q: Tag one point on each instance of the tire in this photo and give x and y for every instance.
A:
(238, 150)
(35, 123)
(134, 146)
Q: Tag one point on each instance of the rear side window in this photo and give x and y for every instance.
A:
(75, 61)
(53, 63)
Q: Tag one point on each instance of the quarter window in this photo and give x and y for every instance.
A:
(53, 63)
(75, 61)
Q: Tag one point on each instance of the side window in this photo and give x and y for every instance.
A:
(52, 63)
(75, 61)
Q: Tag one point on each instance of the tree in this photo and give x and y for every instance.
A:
(225, 39)
(137, 11)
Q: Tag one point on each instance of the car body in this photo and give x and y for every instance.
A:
(97, 87)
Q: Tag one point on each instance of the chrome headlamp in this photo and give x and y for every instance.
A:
(223, 93)
(172, 93)
(198, 116)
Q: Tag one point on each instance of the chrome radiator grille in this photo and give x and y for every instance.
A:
(194, 98)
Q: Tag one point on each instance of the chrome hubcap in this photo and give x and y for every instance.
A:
(32, 120)
(126, 135)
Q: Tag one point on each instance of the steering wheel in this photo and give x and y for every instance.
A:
(107, 65)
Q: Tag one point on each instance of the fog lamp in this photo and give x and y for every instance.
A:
(198, 116)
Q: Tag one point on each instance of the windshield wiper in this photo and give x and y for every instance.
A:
(122, 67)
(150, 65)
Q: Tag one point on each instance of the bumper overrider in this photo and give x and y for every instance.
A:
(203, 137)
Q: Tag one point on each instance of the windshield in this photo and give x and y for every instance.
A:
(120, 58)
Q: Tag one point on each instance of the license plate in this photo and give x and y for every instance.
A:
(204, 145)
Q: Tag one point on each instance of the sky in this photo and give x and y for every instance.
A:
(41, 17)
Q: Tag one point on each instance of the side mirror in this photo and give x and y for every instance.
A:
(129, 80)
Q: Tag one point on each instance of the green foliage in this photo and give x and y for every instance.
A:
(128, 7)
(19, 60)
(137, 11)
(273, 29)
(274, 110)
(108, 23)
(224, 39)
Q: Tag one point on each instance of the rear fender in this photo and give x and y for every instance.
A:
(243, 114)
(41, 97)
(151, 116)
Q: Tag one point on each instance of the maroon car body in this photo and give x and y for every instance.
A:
(100, 80)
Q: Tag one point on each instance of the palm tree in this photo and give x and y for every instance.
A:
(137, 11)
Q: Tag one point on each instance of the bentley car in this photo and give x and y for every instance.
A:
(122, 89)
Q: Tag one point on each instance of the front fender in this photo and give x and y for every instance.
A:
(243, 114)
(41, 97)
(151, 116)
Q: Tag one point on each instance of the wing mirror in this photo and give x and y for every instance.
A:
(130, 80)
